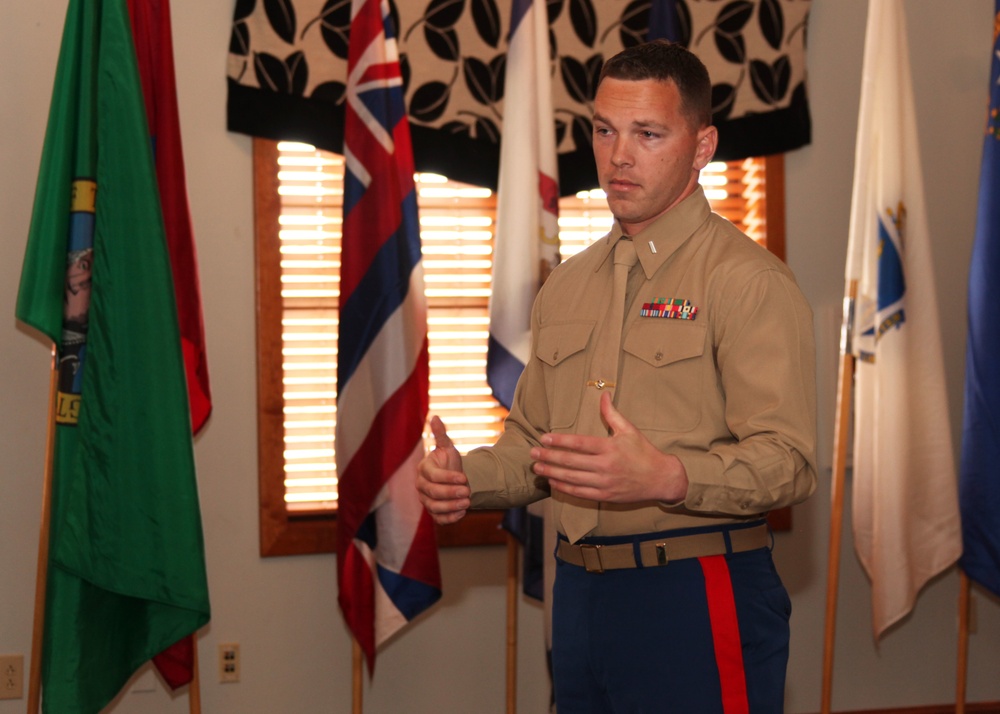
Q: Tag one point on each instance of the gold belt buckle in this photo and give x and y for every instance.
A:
(592, 558)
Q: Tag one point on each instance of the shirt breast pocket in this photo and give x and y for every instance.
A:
(663, 380)
(562, 350)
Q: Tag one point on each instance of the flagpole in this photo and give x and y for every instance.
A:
(512, 596)
(41, 578)
(964, 595)
(357, 679)
(840, 436)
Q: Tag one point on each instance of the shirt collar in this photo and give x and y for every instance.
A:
(661, 239)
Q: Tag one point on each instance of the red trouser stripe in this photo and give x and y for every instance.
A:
(725, 634)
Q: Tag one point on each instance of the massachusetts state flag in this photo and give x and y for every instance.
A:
(386, 550)
(979, 482)
(906, 524)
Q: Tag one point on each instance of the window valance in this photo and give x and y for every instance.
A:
(288, 65)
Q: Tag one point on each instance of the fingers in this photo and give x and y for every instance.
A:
(447, 503)
(549, 461)
(591, 493)
(444, 507)
(585, 475)
(444, 519)
(571, 473)
(569, 442)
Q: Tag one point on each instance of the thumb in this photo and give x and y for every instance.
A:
(615, 420)
(440, 432)
(445, 454)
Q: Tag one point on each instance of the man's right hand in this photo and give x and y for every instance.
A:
(442, 485)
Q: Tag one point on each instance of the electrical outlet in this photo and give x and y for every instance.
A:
(11, 676)
(229, 662)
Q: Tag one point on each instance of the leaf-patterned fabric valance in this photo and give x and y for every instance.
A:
(288, 65)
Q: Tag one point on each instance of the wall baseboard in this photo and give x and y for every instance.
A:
(970, 708)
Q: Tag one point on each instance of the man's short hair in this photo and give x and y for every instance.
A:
(667, 61)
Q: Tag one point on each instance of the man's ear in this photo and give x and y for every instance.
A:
(708, 140)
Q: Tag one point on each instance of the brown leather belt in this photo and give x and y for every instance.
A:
(598, 558)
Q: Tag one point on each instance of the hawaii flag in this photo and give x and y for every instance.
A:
(386, 549)
(906, 523)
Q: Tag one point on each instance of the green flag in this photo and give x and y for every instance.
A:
(126, 576)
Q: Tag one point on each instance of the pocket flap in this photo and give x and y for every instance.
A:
(558, 341)
(662, 342)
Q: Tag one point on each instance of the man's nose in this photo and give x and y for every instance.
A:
(621, 153)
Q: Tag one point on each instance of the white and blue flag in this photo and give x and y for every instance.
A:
(906, 522)
(527, 233)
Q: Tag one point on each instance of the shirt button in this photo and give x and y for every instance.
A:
(555, 355)
(745, 505)
(658, 356)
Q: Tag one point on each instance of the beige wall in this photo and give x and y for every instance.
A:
(295, 653)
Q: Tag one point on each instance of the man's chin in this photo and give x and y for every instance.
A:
(621, 208)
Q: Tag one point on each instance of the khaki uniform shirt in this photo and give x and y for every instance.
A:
(730, 392)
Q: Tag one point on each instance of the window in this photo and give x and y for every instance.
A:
(298, 194)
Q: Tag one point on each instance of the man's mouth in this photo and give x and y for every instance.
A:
(621, 185)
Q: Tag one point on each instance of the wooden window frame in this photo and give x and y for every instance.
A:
(290, 533)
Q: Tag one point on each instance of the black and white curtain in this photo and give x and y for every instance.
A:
(288, 67)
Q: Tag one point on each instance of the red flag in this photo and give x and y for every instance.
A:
(154, 51)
